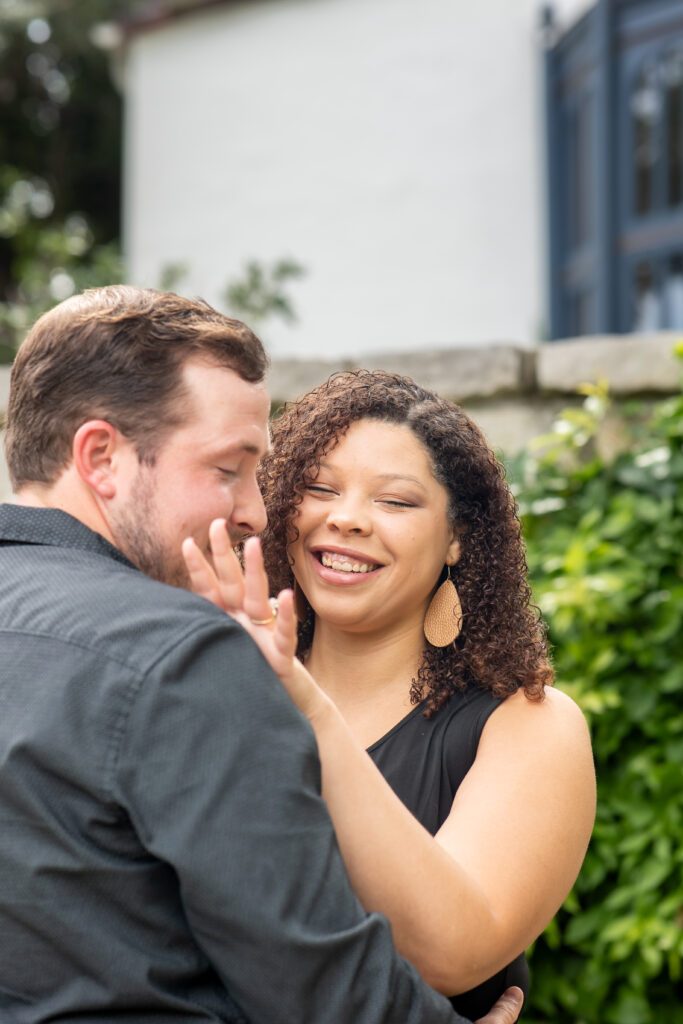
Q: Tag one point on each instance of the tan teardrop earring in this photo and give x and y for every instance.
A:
(443, 620)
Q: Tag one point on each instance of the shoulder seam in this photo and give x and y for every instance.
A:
(132, 692)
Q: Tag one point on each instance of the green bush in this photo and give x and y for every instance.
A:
(52, 259)
(605, 549)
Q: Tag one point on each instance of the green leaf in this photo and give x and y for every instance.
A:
(630, 1008)
(607, 571)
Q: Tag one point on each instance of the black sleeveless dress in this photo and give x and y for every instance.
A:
(424, 760)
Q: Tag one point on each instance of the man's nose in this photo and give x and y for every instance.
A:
(249, 513)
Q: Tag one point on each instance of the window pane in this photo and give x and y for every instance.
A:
(646, 114)
(579, 158)
(674, 293)
(673, 73)
(647, 314)
(581, 313)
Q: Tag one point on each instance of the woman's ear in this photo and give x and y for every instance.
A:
(94, 451)
(454, 551)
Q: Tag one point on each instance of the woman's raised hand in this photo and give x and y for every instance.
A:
(244, 596)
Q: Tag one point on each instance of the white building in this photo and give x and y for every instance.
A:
(393, 148)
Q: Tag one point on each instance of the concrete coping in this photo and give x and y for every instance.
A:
(632, 364)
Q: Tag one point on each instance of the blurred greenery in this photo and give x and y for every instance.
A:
(51, 260)
(256, 295)
(260, 293)
(605, 551)
(59, 158)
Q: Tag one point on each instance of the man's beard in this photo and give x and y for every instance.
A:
(135, 529)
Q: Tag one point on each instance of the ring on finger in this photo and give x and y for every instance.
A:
(272, 601)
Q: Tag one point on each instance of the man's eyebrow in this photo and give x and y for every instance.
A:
(237, 448)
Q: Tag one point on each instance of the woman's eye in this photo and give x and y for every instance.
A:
(395, 503)
(317, 489)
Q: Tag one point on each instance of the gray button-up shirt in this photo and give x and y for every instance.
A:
(165, 854)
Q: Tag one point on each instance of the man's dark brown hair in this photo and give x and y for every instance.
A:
(115, 354)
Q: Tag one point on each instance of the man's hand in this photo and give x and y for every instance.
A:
(506, 1010)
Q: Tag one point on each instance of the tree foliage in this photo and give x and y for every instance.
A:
(261, 292)
(605, 550)
(60, 158)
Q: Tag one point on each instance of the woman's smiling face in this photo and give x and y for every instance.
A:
(374, 532)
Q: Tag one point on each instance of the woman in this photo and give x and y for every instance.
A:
(390, 516)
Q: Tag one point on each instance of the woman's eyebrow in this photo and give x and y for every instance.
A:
(400, 476)
(381, 476)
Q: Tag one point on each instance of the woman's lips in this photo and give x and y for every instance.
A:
(346, 563)
(361, 569)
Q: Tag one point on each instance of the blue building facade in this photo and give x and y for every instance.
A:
(614, 130)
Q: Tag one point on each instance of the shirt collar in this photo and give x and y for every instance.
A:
(21, 524)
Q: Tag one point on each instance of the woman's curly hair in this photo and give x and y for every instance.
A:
(502, 645)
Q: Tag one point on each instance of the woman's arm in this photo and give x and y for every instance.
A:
(465, 903)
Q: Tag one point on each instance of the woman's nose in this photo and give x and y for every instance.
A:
(349, 517)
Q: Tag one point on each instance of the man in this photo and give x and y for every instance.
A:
(165, 854)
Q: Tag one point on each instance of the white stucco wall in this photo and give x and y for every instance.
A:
(393, 148)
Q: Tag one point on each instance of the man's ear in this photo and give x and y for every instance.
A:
(95, 448)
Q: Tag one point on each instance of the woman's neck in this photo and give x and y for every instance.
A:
(367, 676)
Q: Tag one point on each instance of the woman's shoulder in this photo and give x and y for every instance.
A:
(555, 722)
(476, 721)
(554, 706)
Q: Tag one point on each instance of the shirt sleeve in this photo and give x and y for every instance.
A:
(220, 775)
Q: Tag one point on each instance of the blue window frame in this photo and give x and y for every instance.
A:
(614, 127)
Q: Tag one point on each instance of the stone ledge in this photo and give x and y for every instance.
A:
(513, 393)
(631, 363)
(290, 378)
(464, 373)
(459, 373)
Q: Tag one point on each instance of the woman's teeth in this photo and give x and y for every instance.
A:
(344, 565)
